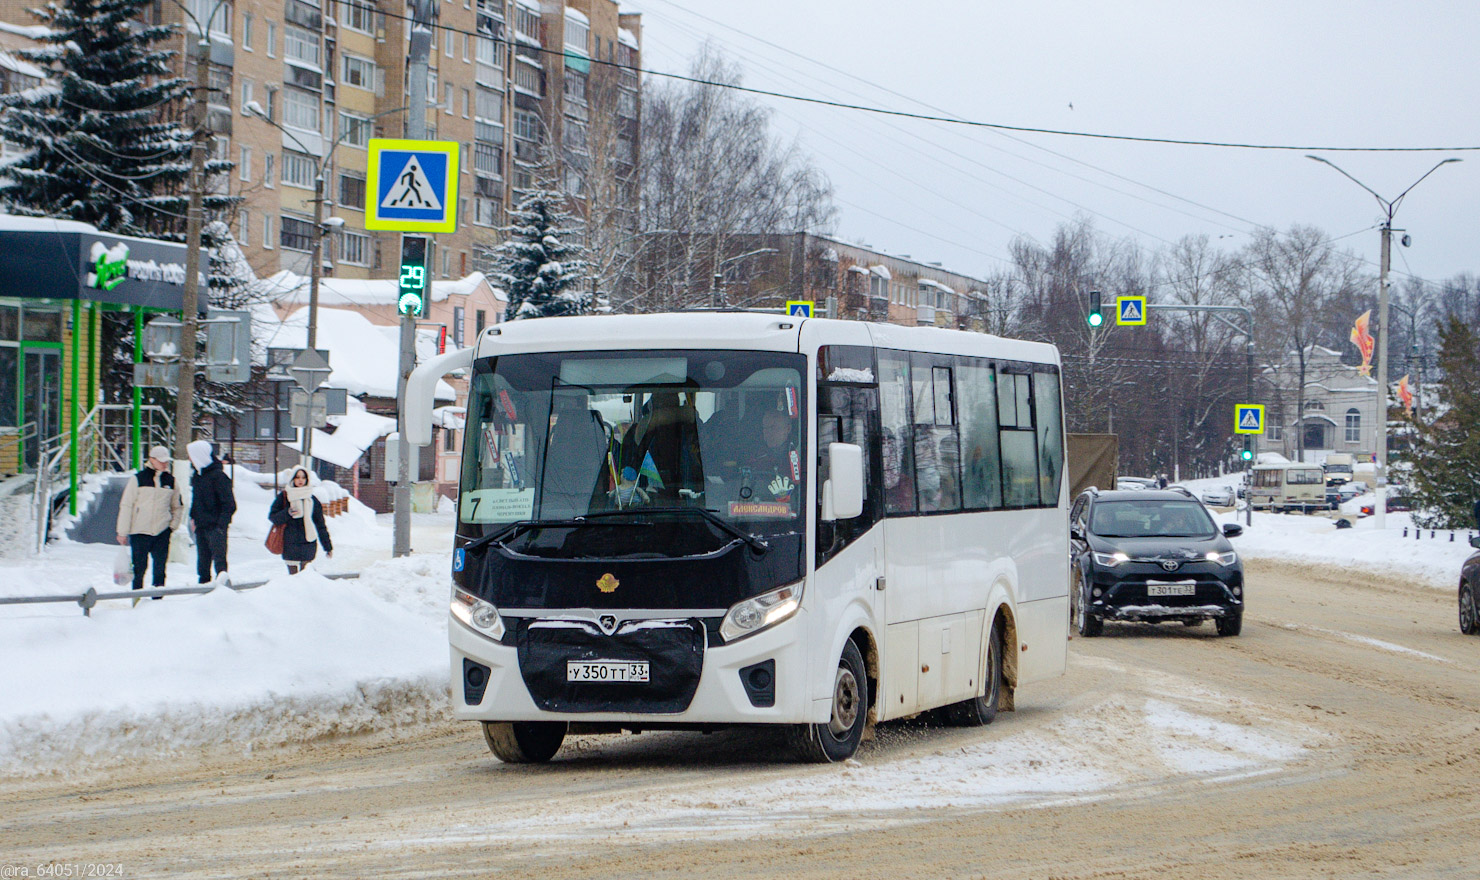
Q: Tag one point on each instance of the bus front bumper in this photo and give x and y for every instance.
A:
(488, 685)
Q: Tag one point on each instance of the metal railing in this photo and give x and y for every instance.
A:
(13, 445)
(90, 597)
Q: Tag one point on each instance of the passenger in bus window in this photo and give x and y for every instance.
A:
(770, 468)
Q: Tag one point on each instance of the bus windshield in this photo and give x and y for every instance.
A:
(557, 436)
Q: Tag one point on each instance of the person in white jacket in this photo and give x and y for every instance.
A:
(149, 511)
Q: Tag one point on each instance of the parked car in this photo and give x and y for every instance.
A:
(1134, 483)
(1340, 494)
(1469, 593)
(1398, 501)
(1218, 496)
(1152, 555)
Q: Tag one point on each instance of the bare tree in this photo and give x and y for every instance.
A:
(1300, 287)
(712, 173)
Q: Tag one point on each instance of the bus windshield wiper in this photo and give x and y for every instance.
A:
(514, 528)
(725, 525)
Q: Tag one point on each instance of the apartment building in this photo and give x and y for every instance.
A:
(298, 88)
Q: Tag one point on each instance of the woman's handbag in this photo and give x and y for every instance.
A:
(274, 540)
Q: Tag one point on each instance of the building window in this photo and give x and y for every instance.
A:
(446, 263)
(267, 225)
(480, 317)
(526, 125)
(247, 31)
(244, 228)
(574, 135)
(523, 178)
(356, 130)
(467, 105)
(267, 178)
(358, 72)
(244, 167)
(488, 159)
(354, 248)
(577, 35)
(298, 169)
(485, 211)
(357, 15)
(301, 109)
(300, 45)
(217, 16)
(490, 52)
(527, 21)
(246, 95)
(1276, 432)
(1353, 426)
(459, 316)
(352, 190)
(575, 86)
(528, 77)
(489, 107)
(627, 104)
(297, 234)
(449, 99)
(272, 39)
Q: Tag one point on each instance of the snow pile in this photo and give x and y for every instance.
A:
(300, 658)
(289, 287)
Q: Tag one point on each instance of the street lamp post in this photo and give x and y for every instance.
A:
(1379, 507)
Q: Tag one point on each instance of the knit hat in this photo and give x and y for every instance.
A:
(160, 453)
(200, 453)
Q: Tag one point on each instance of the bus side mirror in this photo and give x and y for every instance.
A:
(842, 494)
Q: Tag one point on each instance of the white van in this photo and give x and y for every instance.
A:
(1339, 468)
(1290, 486)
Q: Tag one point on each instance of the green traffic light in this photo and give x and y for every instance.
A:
(1247, 455)
(1096, 319)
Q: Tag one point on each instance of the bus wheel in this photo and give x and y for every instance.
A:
(524, 742)
(981, 710)
(837, 738)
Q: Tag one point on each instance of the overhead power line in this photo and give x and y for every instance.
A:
(953, 120)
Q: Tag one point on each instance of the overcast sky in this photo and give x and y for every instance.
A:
(1304, 73)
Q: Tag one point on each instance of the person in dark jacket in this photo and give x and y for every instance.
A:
(212, 504)
(303, 515)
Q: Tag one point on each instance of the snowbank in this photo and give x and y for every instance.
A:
(300, 658)
(363, 359)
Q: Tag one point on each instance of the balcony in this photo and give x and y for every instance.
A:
(303, 15)
(526, 151)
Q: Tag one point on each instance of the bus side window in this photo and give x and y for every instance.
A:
(981, 468)
(896, 435)
(937, 446)
(1050, 436)
(1019, 452)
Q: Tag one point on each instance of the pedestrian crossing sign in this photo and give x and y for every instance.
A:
(800, 308)
(412, 186)
(1130, 310)
(1248, 418)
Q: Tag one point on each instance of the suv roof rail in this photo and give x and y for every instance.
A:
(1184, 490)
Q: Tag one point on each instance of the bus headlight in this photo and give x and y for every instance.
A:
(478, 615)
(757, 613)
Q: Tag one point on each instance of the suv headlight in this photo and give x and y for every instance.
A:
(1225, 559)
(756, 613)
(1110, 559)
(480, 616)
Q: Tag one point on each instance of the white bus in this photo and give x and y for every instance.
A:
(691, 521)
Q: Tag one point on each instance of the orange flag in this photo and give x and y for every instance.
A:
(1362, 339)
(1405, 394)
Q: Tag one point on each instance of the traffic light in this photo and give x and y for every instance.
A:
(412, 299)
(1247, 454)
(1096, 315)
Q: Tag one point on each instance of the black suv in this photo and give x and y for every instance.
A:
(1151, 556)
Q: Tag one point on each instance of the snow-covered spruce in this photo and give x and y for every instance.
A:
(543, 274)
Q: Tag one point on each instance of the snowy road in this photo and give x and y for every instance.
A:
(1338, 736)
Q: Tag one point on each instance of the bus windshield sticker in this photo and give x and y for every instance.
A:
(497, 505)
(508, 404)
(791, 401)
(513, 468)
(753, 509)
(796, 465)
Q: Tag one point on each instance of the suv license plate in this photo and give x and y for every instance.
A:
(1181, 588)
(606, 670)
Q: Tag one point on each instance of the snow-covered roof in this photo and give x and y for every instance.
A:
(931, 282)
(18, 223)
(627, 38)
(357, 431)
(882, 271)
(292, 288)
(364, 361)
(859, 269)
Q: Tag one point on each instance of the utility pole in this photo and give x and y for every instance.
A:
(1379, 507)
(313, 295)
(416, 129)
(190, 295)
